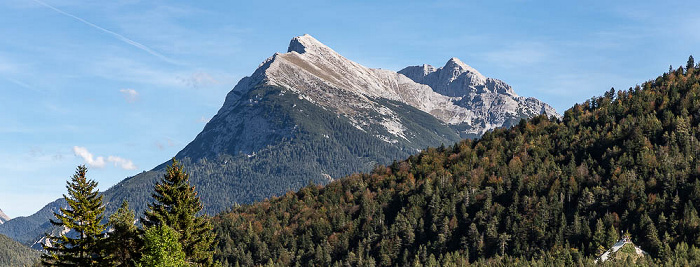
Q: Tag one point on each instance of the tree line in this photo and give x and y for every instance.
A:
(171, 232)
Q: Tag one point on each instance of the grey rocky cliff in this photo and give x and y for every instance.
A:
(492, 102)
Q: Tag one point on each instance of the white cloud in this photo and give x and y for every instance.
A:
(203, 120)
(130, 95)
(99, 161)
(122, 163)
(82, 152)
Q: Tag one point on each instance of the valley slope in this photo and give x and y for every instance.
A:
(12, 253)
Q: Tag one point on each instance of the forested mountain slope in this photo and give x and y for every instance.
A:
(12, 253)
(628, 160)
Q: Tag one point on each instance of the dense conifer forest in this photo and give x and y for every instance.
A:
(12, 253)
(546, 191)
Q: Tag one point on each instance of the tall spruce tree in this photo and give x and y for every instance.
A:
(176, 205)
(691, 63)
(123, 245)
(81, 244)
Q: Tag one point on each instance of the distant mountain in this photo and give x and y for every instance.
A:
(14, 254)
(492, 102)
(27, 230)
(308, 116)
(3, 217)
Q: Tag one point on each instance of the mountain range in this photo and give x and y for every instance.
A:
(310, 115)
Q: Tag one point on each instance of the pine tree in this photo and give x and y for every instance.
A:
(691, 63)
(176, 205)
(123, 243)
(599, 235)
(81, 245)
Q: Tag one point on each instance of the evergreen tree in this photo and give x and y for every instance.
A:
(123, 243)
(162, 248)
(81, 245)
(176, 205)
(691, 63)
(599, 235)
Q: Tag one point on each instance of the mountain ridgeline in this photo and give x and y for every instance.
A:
(310, 115)
(554, 191)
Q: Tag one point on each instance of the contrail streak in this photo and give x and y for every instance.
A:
(22, 84)
(116, 35)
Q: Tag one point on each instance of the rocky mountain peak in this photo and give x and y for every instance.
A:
(457, 68)
(304, 43)
(3, 217)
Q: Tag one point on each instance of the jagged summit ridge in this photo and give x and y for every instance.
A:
(455, 79)
(456, 94)
(493, 102)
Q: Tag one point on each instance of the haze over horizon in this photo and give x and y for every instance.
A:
(122, 87)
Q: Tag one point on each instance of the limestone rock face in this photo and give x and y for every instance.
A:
(492, 102)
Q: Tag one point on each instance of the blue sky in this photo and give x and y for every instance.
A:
(122, 86)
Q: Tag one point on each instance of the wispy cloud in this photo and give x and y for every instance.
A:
(99, 161)
(9, 70)
(114, 34)
(132, 71)
(20, 83)
(203, 119)
(121, 163)
(130, 95)
(91, 160)
(199, 79)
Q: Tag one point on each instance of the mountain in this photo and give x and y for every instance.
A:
(3, 217)
(377, 102)
(492, 102)
(305, 116)
(27, 230)
(12, 253)
(546, 192)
